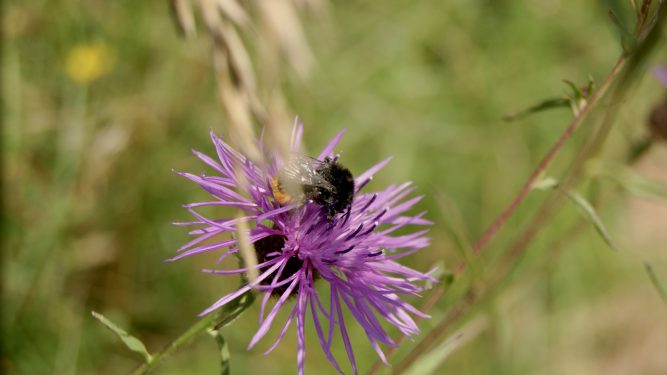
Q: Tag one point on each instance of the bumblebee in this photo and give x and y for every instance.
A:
(305, 179)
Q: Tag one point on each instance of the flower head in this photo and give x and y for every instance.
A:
(301, 243)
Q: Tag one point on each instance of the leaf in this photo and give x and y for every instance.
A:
(581, 202)
(579, 96)
(576, 90)
(592, 216)
(575, 101)
(657, 282)
(132, 343)
(225, 357)
(542, 106)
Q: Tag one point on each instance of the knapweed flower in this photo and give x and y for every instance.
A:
(300, 244)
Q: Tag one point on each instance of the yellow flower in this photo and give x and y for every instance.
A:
(88, 62)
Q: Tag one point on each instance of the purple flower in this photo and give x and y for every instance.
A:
(297, 245)
(660, 73)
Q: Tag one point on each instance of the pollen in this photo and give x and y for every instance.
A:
(278, 194)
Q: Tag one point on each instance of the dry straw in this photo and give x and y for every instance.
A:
(274, 29)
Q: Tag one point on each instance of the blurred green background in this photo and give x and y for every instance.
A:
(101, 100)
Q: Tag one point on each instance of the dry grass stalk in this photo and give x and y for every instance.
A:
(277, 33)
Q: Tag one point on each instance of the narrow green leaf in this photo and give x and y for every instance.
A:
(579, 96)
(592, 216)
(581, 202)
(132, 343)
(225, 357)
(542, 106)
(576, 90)
(657, 282)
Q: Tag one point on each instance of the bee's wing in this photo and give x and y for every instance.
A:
(303, 170)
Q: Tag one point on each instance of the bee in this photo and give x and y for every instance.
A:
(305, 179)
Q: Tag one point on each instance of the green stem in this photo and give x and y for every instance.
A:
(647, 45)
(227, 314)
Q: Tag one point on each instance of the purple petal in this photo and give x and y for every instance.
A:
(226, 299)
(266, 324)
(328, 150)
(343, 331)
(326, 346)
(275, 212)
(262, 307)
(371, 171)
(240, 270)
(300, 329)
(282, 331)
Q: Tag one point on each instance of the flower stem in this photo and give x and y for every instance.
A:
(507, 213)
(647, 45)
(211, 321)
(548, 158)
